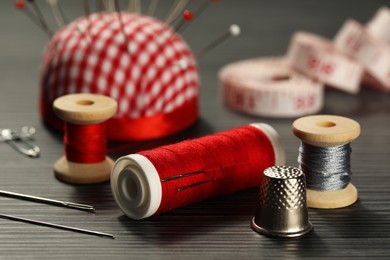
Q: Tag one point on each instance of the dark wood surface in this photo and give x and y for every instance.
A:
(218, 228)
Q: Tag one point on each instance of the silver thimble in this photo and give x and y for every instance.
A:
(281, 209)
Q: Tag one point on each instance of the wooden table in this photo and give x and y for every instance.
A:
(217, 228)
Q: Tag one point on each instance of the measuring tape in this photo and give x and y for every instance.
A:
(269, 87)
(317, 57)
(373, 53)
(379, 25)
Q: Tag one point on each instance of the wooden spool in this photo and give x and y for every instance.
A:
(84, 109)
(328, 131)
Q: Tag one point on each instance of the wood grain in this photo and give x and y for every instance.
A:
(217, 228)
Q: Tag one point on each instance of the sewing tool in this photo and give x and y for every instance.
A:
(85, 159)
(155, 97)
(234, 31)
(195, 14)
(281, 206)
(19, 140)
(177, 9)
(21, 5)
(152, 7)
(55, 9)
(100, 6)
(173, 176)
(373, 53)
(204, 6)
(187, 17)
(317, 58)
(325, 159)
(40, 17)
(118, 11)
(57, 226)
(135, 6)
(269, 87)
(59, 203)
(111, 6)
(87, 13)
(25, 132)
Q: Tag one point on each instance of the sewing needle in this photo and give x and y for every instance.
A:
(47, 201)
(57, 226)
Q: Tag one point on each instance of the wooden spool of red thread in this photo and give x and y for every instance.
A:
(85, 159)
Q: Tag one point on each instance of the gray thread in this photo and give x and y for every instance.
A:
(325, 168)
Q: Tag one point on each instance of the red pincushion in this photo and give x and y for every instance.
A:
(152, 74)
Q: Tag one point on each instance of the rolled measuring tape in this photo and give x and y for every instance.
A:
(318, 58)
(269, 87)
(373, 53)
(379, 25)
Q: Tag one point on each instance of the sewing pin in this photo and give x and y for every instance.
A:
(177, 11)
(21, 5)
(203, 7)
(152, 7)
(198, 12)
(57, 226)
(187, 17)
(60, 203)
(234, 30)
(111, 5)
(40, 17)
(87, 14)
(122, 25)
(56, 12)
(173, 6)
(100, 6)
(134, 6)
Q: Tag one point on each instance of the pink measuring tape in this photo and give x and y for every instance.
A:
(317, 58)
(354, 40)
(269, 87)
(379, 25)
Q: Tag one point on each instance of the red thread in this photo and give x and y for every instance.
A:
(85, 143)
(211, 166)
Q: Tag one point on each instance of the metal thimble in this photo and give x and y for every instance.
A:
(281, 209)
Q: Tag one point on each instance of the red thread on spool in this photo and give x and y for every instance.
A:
(85, 143)
(173, 176)
(85, 159)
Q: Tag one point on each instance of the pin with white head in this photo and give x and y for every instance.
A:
(234, 31)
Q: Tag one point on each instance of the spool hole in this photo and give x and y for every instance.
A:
(326, 124)
(281, 77)
(130, 188)
(85, 102)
